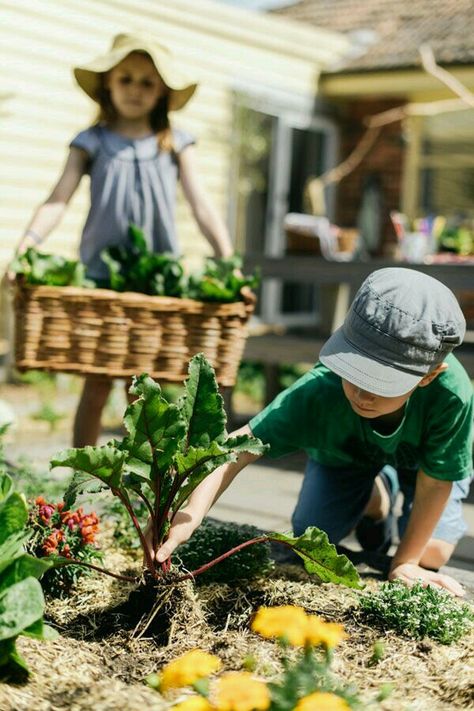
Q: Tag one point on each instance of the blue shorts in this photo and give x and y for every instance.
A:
(334, 500)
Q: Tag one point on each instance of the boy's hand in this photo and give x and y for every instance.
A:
(410, 574)
(182, 528)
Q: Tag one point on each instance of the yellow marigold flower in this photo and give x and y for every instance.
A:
(238, 691)
(286, 621)
(328, 634)
(194, 703)
(188, 668)
(322, 701)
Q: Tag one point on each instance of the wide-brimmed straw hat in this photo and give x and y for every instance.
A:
(181, 88)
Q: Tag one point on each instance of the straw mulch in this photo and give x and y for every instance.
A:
(101, 659)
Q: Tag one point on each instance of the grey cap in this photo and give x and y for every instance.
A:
(401, 324)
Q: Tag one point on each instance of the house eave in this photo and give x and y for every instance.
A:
(391, 82)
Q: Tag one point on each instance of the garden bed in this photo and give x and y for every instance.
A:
(97, 663)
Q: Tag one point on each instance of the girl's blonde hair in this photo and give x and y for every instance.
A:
(159, 119)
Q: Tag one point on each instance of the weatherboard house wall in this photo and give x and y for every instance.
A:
(41, 108)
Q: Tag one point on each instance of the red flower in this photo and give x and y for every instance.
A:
(50, 544)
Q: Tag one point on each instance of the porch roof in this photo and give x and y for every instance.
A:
(387, 35)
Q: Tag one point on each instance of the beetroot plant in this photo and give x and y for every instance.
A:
(168, 451)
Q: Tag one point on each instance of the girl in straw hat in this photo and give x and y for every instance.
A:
(134, 159)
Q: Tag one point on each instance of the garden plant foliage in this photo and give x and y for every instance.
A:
(168, 451)
(418, 611)
(305, 684)
(212, 539)
(21, 596)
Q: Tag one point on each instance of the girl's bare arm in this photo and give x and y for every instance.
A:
(49, 213)
(207, 217)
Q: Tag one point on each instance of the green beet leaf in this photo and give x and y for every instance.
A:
(156, 428)
(25, 566)
(202, 405)
(104, 463)
(40, 630)
(321, 558)
(20, 606)
(21, 596)
(13, 515)
(6, 484)
(12, 548)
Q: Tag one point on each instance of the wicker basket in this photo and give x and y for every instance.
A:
(103, 332)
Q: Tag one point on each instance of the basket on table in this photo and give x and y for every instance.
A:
(315, 235)
(104, 332)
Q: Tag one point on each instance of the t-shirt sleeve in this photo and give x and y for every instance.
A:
(88, 140)
(448, 441)
(285, 422)
(182, 139)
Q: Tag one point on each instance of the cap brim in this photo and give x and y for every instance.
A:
(371, 375)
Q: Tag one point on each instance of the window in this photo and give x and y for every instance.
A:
(276, 150)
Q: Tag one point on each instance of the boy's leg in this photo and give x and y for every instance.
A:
(374, 530)
(94, 395)
(450, 528)
(332, 499)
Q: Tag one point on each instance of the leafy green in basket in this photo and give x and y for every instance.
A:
(134, 268)
(42, 269)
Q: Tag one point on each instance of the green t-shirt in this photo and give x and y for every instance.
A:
(434, 435)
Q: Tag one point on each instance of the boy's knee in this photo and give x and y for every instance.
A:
(436, 554)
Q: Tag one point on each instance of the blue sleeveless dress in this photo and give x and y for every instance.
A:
(130, 181)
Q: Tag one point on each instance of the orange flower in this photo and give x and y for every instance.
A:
(286, 622)
(322, 701)
(296, 627)
(239, 691)
(327, 634)
(187, 669)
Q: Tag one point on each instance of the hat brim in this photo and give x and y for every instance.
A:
(365, 372)
(89, 76)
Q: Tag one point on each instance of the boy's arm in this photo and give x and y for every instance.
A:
(202, 498)
(431, 496)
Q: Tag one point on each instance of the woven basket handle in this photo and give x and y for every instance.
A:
(249, 298)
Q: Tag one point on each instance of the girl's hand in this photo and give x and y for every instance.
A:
(410, 574)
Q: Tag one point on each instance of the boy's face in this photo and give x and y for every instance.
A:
(371, 406)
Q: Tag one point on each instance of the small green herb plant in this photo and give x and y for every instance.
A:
(212, 539)
(418, 611)
(168, 451)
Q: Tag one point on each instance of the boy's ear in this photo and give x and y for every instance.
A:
(441, 368)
